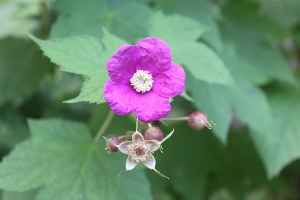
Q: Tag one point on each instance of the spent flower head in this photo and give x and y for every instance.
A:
(140, 150)
(143, 78)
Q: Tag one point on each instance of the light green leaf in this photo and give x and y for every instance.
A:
(175, 28)
(83, 55)
(241, 69)
(62, 159)
(181, 33)
(124, 19)
(22, 70)
(198, 10)
(285, 107)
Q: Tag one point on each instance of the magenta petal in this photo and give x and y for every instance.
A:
(119, 97)
(152, 107)
(122, 65)
(169, 83)
(137, 137)
(155, 55)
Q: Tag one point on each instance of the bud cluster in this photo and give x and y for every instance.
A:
(152, 133)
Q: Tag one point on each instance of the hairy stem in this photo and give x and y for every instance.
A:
(104, 126)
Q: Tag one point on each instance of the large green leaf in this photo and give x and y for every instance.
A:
(285, 105)
(126, 20)
(84, 55)
(198, 10)
(22, 70)
(181, 34)
(62, 159)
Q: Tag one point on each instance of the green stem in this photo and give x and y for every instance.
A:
(175, 119)
(104, 126)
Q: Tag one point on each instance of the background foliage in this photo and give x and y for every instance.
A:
(241, 60)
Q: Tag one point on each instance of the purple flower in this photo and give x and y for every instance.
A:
(143, 78)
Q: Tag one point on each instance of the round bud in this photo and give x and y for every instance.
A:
(114, 140)
(154, 133)
(198, 120)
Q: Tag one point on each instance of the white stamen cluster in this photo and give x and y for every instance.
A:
(141, 81)
(139, 152)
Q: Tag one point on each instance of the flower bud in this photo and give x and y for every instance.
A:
(111, 147)
(154, 133)
(198, 120)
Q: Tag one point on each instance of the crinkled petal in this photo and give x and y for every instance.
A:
(119, 97)
(154, 145)
(169, 83)
(152, 107)
(150, 163)
(123, 147)
(155, 55)
(137, 137)
(122, 65)
(130, 164)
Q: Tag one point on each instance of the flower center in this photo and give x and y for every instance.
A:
(139, 152)
(141, 81)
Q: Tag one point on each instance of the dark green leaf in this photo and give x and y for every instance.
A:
(62, 159)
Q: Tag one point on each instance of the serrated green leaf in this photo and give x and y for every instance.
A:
(124, 19)
(84, 55)
(181, 33)
(198, 10)
(22, 71)
(62, 159)
(285, 107)
(175, 28)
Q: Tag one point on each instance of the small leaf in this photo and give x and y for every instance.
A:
(83, 55)
(62, 159)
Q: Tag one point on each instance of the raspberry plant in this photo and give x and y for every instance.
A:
(241, 69)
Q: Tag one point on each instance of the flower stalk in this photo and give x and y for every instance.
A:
(104, 126)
